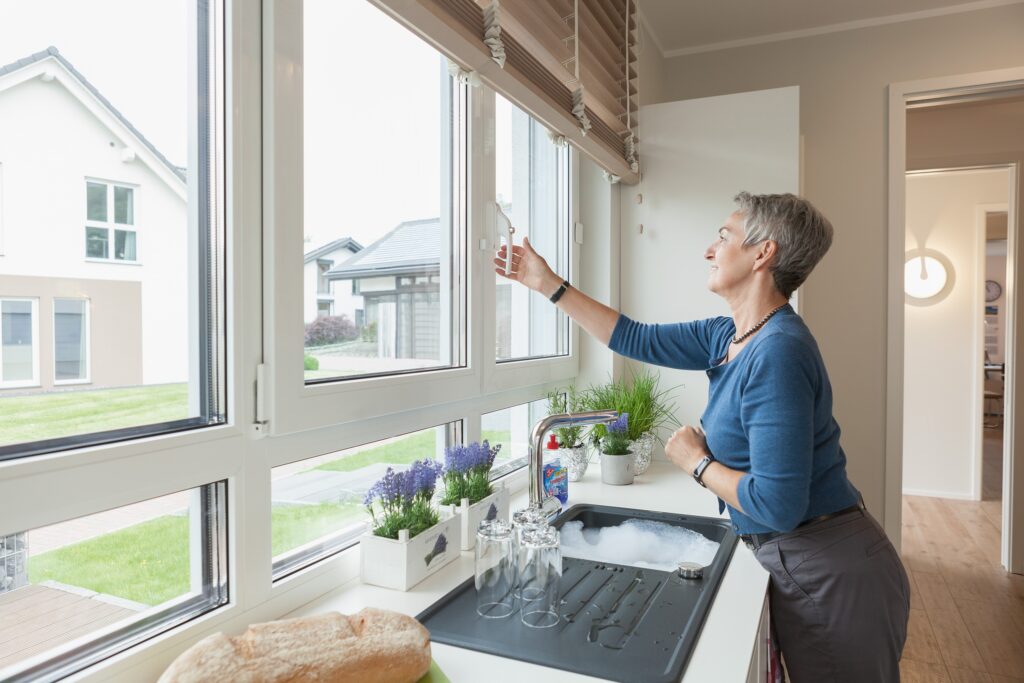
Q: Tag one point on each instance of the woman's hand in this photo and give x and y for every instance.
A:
(686, 447)
(528, 268)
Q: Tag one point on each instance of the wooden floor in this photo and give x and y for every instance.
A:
(967, 614)
(37, 618)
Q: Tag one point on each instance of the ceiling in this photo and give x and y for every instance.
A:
(687, 26)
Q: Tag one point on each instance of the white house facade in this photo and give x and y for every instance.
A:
(93, 239)
(323, 296)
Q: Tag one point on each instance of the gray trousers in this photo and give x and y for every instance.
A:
(839, 600)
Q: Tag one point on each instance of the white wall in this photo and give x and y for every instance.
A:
(341, 290)
(697, 154)
(942, 351)
(49, 144)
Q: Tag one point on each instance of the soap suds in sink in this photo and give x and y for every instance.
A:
(638, 543)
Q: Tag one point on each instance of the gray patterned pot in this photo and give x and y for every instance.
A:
(642, 448)
(575, 460)
(617, 469)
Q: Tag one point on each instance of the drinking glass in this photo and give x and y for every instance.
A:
(541, 567)
(495, 569)
(528, 518)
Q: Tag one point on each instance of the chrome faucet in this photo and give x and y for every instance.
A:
(549, 504)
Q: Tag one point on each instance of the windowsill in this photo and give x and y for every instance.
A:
(20, 385)
(115, 262)
(71, 382)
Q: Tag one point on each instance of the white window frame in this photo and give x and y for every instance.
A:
(87, 360)
(34, 381)
(110, 226)
(291, 405)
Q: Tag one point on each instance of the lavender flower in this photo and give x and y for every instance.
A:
(621, 424)
(466, 471)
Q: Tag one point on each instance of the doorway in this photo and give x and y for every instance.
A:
(948, 101)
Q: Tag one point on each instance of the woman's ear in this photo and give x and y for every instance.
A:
(766, 252)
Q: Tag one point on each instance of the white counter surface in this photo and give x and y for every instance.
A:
(722, 653)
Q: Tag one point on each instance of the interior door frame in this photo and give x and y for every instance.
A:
(900, 96)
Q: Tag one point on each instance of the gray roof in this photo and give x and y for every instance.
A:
(411, 247)
(343, 243)
(51, 51)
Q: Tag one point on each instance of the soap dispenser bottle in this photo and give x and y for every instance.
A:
(556, 477)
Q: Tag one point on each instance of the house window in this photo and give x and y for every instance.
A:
(19, 346)
(532, 187)
(511, 428)
(70, 341)
(110, 222)
(317, 503)
(323, 286)
(144, 566)
(413, 239)
(323, 309)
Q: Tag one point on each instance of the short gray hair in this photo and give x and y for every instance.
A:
(802, 234)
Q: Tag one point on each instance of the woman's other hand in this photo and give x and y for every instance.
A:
(686, 447)
(528, 268)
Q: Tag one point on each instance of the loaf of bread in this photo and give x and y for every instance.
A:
(373, 646)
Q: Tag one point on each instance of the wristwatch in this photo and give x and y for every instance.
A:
(559, 292)
(698, 471)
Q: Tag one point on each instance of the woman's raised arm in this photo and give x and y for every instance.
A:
(531, 270)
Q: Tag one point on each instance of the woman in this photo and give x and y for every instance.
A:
(768, 445)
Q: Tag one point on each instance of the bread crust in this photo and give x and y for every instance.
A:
(372, 646)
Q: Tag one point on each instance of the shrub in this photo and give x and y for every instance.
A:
(330, 329)
(311, 363)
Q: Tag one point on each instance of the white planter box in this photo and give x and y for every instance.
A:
(403, 563)
(493, 506)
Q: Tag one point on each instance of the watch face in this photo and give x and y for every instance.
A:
(993, 290)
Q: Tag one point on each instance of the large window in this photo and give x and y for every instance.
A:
(385, 174)
(70, 341)
(532, 189)
(112, 271)
(110, 211)
(317, 504)
(19, 348)
(511, 428)
(119, 576)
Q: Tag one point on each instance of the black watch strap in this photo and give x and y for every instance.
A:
(698, 471)
(559, 292)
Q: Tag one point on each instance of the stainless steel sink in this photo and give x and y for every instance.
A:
(618, 622)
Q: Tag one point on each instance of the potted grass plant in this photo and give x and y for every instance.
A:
(572, 450)
(650, 410)
(616, 456)
(468, 488)
(409, 538)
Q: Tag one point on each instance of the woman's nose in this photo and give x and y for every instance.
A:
(709, 253)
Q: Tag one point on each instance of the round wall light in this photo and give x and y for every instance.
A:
(927, 277)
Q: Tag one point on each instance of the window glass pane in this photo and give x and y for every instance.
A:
(69, 342)
(379, 182)
(318, 502)
(97, 242)
(511, 428)
(124, 205)
(96, 202)
(124, 245)
(531, 186)
(16, 333)
(155, 329)
(61, 582)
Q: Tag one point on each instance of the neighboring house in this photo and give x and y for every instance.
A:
(399, 280)
(93, 238)
(321, 297)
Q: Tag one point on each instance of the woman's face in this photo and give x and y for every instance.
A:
(731, 262)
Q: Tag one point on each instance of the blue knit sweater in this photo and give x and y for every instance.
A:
(769, 413)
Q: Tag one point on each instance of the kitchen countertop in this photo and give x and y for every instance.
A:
(726, 642)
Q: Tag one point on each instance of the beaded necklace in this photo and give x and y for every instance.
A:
(755, 328)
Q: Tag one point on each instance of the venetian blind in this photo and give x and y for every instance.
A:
(570, 63)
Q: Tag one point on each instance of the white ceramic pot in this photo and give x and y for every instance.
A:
(494, 506)
(617, 469)
(402, 563)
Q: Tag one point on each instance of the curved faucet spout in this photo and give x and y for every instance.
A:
(549, 504)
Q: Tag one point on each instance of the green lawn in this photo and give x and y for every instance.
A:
(149, 562)
(66, 413)
(413, 447)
